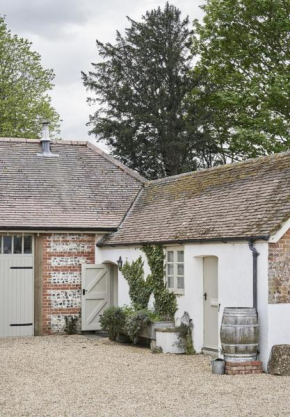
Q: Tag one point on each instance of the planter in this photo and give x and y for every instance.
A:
(149, 332)
(167, 340)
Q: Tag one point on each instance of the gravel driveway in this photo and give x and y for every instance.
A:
(88, 376)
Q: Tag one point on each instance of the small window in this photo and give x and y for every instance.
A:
(17, 244)
(27, 244)
(7, 245)
(175, 270)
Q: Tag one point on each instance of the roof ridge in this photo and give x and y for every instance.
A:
(117, 163)
(69, 142)
(221, 167)
(21, 140)
(53, 141)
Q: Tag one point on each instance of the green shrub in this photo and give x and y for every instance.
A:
(113, 320)
(135, 323)
(139, 288)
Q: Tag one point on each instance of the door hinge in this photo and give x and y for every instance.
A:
(205, 296)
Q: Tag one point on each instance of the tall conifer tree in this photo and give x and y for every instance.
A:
(140, 88)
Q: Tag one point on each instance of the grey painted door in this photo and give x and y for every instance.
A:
(16, 295)
(96, 282)
(210, 303)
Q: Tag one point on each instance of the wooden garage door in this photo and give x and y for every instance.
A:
(16, 286)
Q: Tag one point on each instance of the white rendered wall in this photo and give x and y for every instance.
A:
(279, 325)
(235, 274)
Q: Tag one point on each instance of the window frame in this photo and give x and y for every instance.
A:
(175, 263)
(12, 235)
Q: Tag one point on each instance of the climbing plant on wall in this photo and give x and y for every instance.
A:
(139, 288)
(165, 301)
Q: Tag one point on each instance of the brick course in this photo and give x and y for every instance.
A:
(63, 255)
(279, 270)
(243, 368)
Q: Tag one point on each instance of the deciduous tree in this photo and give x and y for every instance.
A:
(24, 84)
(244, 49)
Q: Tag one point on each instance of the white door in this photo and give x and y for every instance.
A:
(96, 282)
(16, 286)
(210, 303)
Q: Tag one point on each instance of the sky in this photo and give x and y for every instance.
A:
(64, 33)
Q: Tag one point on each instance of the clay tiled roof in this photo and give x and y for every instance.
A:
(81, 189)
(240, 200)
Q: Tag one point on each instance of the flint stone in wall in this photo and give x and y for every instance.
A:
(58, 323)
(65, 278)
(65, 298)
(60, 237)
(67, 261)
(279, 363)
(73, 247)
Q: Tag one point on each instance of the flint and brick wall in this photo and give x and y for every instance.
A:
(63, 255)
(279, 270)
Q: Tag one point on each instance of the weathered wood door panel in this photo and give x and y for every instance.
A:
(96, 282)
(16, 295)
(210, 303)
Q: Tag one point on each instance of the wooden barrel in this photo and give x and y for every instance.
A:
(240, 334)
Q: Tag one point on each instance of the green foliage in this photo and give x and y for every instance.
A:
(126, 320)
(139, 288)
(24, 84)
(113, 320)
(135, 323)
(71, 324)
(245, 52)
(130, 320)
(165, 301)
(140, 88)
(185, 339)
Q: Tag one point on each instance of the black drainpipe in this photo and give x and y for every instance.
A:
(255, 274)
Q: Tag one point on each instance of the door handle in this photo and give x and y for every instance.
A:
(205, 296)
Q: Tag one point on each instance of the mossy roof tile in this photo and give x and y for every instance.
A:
(240, 200)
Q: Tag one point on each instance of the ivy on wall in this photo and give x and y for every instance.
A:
(165, 301)
(140, 288)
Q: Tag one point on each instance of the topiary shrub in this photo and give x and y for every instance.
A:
(165, 301)
(139, 288)
(113, 320)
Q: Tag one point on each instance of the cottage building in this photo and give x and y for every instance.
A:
(51, 208)
(65, 221)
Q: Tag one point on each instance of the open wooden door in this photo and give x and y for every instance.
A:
(96, 282)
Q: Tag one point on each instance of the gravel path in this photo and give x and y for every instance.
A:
(88, 376)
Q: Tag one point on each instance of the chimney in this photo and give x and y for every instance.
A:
(45, 141)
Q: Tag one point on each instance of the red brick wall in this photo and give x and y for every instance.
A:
(243, 368)
(279, 270)
(63, 255)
